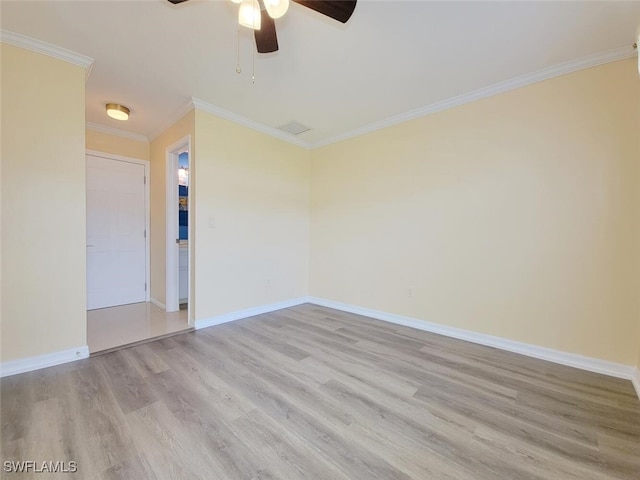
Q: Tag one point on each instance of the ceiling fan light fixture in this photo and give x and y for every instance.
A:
(118, 112)
(276, 8)
(249, 14)
(236, 1)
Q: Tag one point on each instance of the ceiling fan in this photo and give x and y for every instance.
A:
(259, 15)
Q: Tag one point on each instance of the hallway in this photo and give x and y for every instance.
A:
(116, 326)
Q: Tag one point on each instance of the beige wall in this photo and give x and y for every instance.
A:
(158, 187)
(256, 188)
(516, 216)
(116, 145)
(43, 205)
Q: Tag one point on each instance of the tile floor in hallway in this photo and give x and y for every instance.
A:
(114, 326)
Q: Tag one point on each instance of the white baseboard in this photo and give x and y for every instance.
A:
(596, 365)
(635, 379)
(23, 365)
(158, 304)
(605, 367)
(249, 312)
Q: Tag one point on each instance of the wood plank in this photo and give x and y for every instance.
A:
(310, 392)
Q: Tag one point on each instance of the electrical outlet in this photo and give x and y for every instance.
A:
(267, 282)
(211, 221)
(410, 292)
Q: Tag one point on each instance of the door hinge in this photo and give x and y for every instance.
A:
(145, 286)
(145, 179)
(145, 233)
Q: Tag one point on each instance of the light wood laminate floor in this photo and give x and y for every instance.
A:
(313, 393)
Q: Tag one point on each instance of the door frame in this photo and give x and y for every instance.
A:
(147, 217)
(172, 295)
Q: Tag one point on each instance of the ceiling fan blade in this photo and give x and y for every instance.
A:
(340, 10)
(175, 2)
(266, 38)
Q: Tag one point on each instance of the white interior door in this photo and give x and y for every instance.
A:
(116, 236)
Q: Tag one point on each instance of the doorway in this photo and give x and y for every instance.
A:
(119, 311)
(183, 230)
(179, 176)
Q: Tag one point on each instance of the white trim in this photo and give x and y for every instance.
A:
(46, 48)
(635, 379)
(234, 117)
(249, 312)
(495, 89)
(157, 303)
(88, 71)
(116, 131)
(596, 365)
(491, 90)
(147, 207)
(23, 365)
(170, 120)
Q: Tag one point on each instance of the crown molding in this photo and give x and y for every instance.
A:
(86, 62)
(226, 114)
(170, 120)
(495, 89)
(116, 131)
(46, 48)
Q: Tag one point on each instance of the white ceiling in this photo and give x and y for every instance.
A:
(391, 57)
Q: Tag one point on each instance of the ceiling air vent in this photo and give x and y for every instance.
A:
(295, 128)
